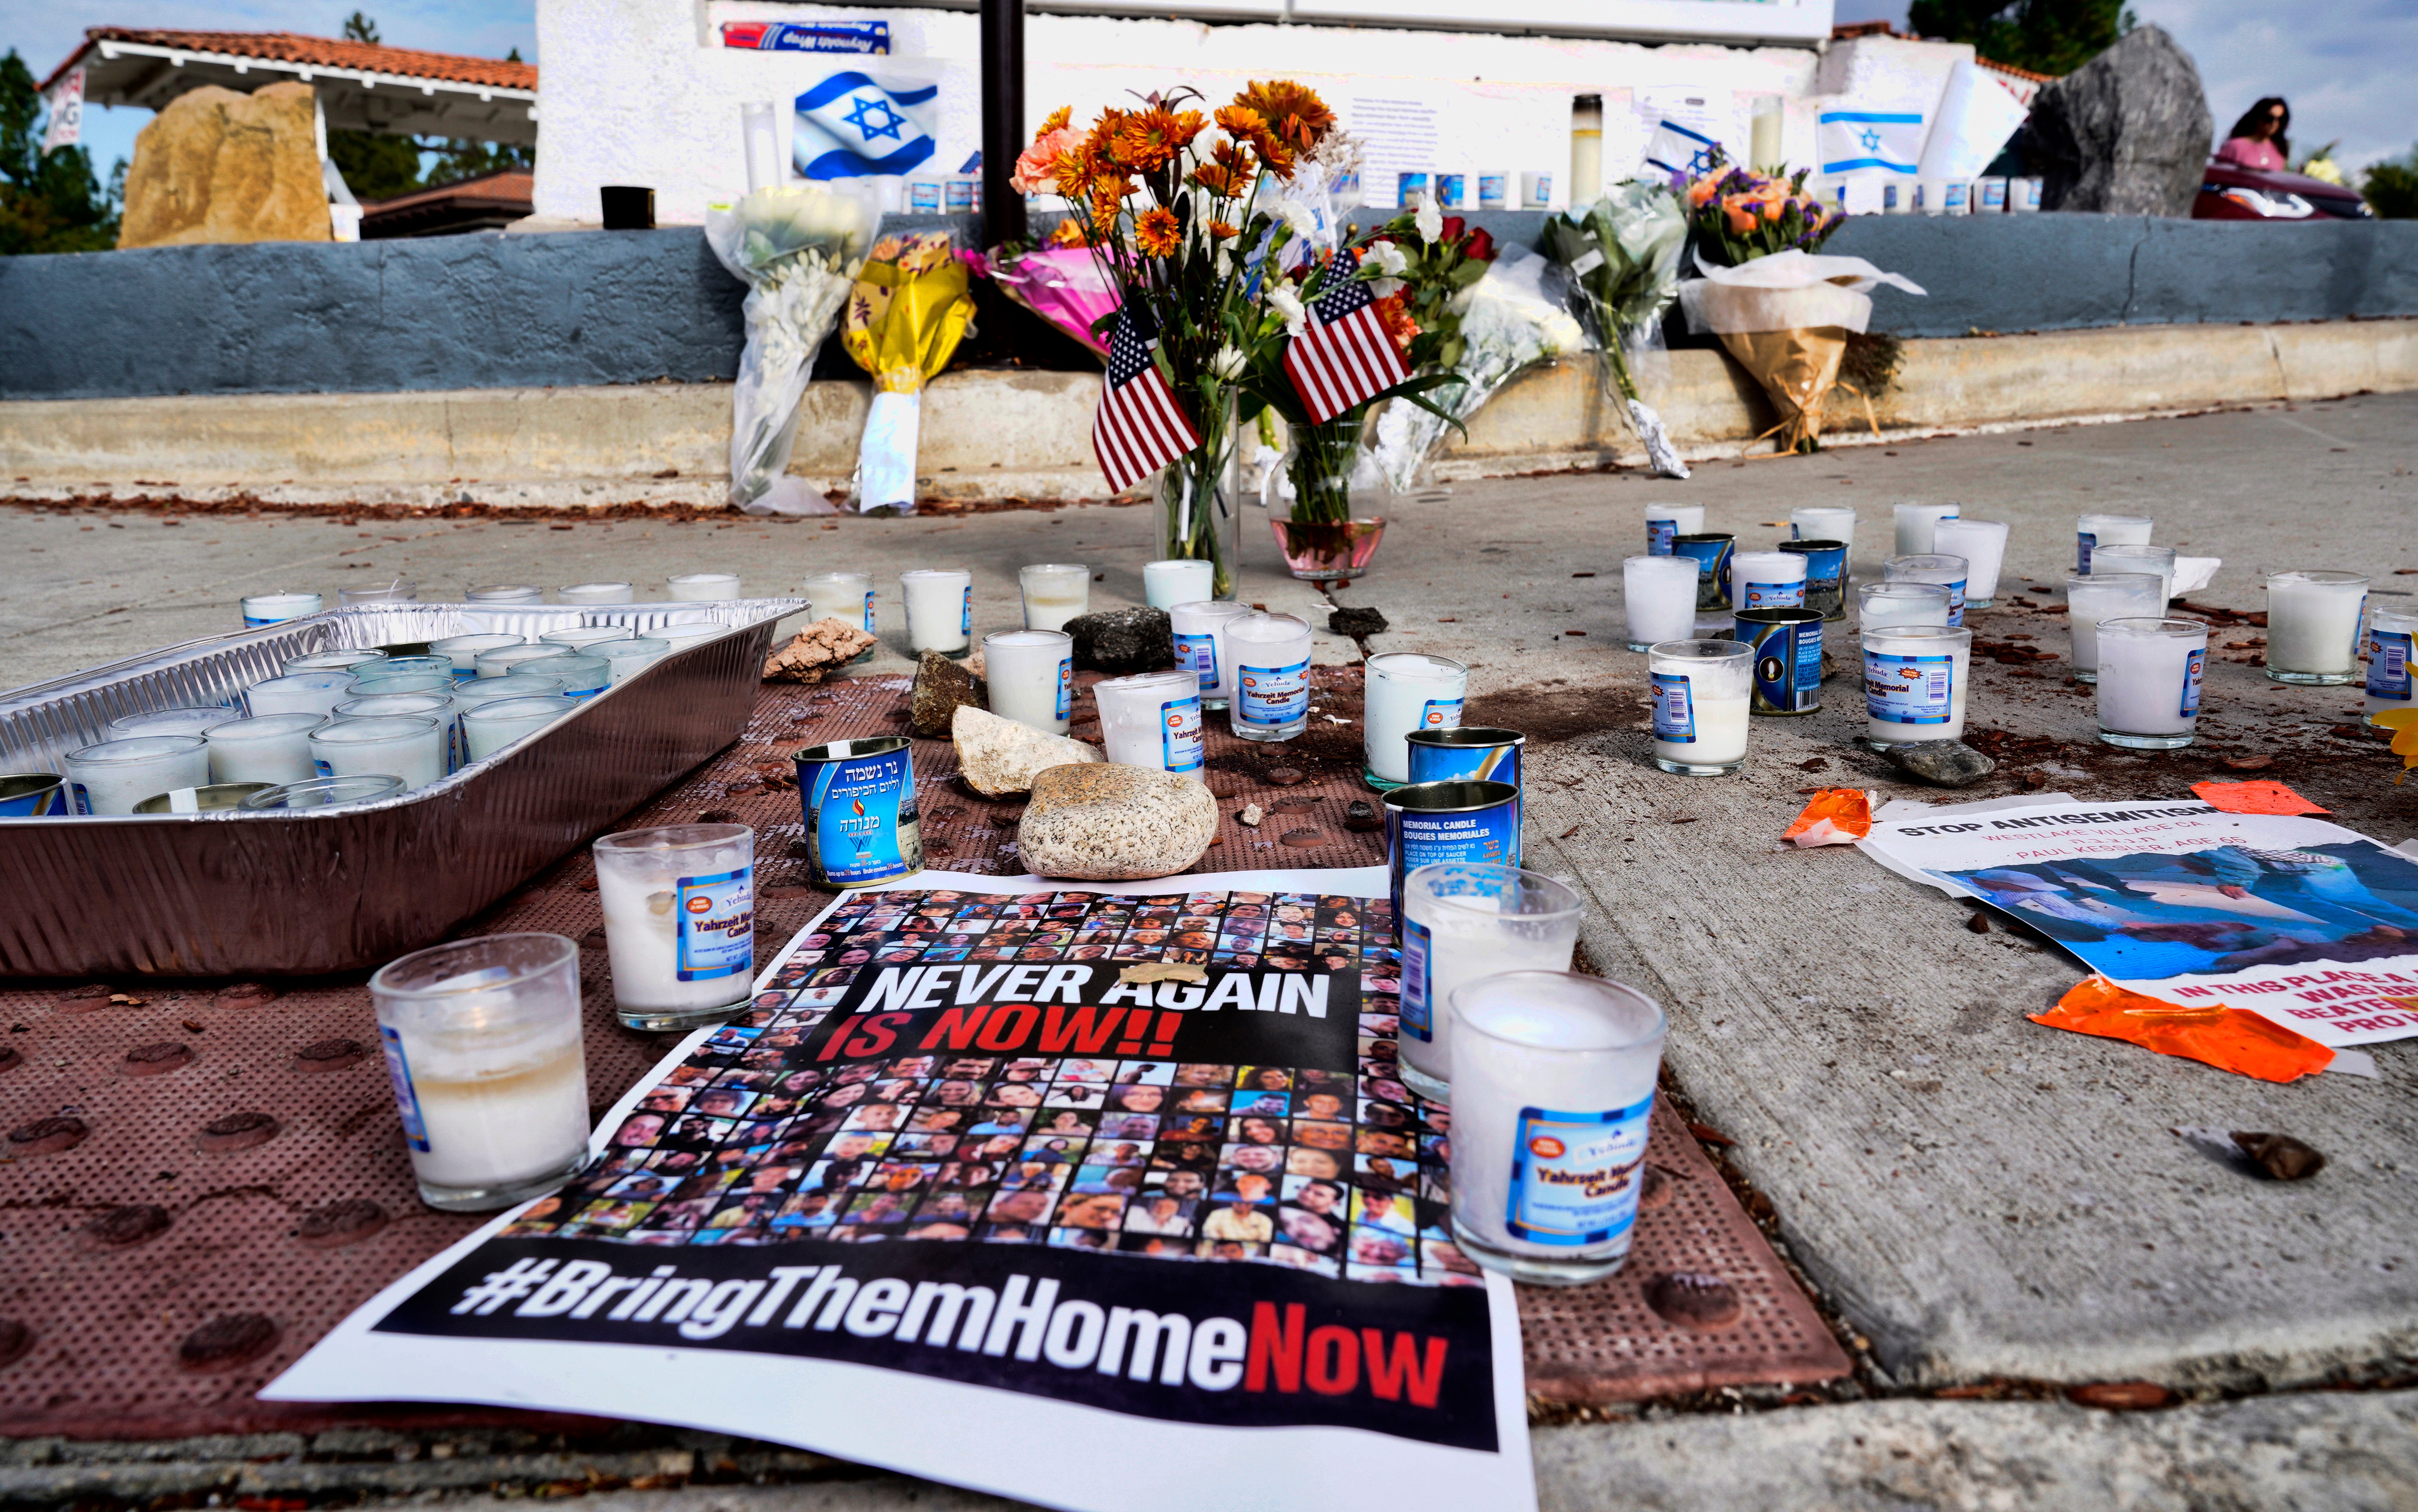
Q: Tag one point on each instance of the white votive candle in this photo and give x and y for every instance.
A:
(472, 694)
(1032, 676)
(484, 1050)
(1177, 580)
(401, 590)
(114, 775)
(464, 650)
(437, 706)
(1199, 626)
(1701, 692)
(940, 610)
(597, 593)
(1950, 573)
(1553, 1096)
(1982, 544)
(1664, 521)
(1271, 655)
(1901, 604)
(1658, 596)
(1914, 678)
(2149, 672)
(322, 792)
(581, 637)
(1768, 580)
(2313, 626)
(506, 659)
(703, 587)
(300, 692)
(1152, 719)
(2390, 636)
(1916, 523)
(680, 926)
(842, 596)
(1406, 691)
(331, 661)
(582, 677)
(275, 748)
(493, 724)
(627, 658)
(276, 608)
(2159, 562)
(2091, 597)
(1464, 920)
(1824, 522)
(169, 722)
(504, 593)
(409, 746)
(2091, 531)
(1054, 592)
(374, 683)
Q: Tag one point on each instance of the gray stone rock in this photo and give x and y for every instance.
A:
(1357, 622)
(1123, 640)
(941, 688)
(1941, 763)
(1110, 823)
(1000, 757)
(2127, 133)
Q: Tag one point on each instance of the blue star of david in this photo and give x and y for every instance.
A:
(863, 119)
(1701, 161)
(1871, 139)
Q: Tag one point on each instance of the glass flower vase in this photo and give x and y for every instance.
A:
(1194, 508)
(1325, 498)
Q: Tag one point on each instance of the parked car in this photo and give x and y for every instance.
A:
(2230, 194)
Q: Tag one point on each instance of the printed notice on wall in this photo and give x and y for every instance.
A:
(2303, 922)
(1398, 136)
(955, 1198)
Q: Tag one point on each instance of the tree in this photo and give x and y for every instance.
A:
(2045, 35)
(50, 204)
(2391, 188)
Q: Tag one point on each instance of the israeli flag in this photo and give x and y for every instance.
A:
(852, 124)
(1676, 150)
(1859, 141)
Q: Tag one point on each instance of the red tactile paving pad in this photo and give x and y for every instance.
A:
(170, 1251)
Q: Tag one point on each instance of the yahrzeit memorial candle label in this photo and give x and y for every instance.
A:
(1915, 683)
(859, 805)
(1199, 627)
(1271, 655)
(2389, 639)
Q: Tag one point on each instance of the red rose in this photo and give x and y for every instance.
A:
(1480, 246)
(1452, 228)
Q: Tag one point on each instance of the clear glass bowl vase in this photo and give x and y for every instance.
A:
(1326, 498)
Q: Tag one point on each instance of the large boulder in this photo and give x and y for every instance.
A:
(218, 166)
(1115, 824)
(2127, 133)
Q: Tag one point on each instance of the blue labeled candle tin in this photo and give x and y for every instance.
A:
(859, 797)
(1470, 753)
(1826, 575)
(1787, 659)
(1712, 551)
(29, 795)
(1436, 821)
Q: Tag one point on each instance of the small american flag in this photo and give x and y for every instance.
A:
(1139, 428)
(1344, 354)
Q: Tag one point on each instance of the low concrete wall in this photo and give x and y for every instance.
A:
(998, 434)
(584, 309)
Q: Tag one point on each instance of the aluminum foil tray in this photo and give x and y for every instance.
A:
(342, 889)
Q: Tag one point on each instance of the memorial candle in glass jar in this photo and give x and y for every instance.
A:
(1824, 522)
(1766, 580)
(492, 724)
(700, 588)
(275, 748)
(2156, 560)
(1982, 544)
(582, 638)
(504, 593)
(1406, 691)
(844, 596)
(409, 746)
(504, 660)
(940, 610)
(1460, 921)
(2091, 531)
(1177, 580)
(168, 721)
(2149, 674)
(1054, 592)
(464, 650)
(1901, 604)
(300, 692)
(1152, 719)
(1914, 678)
(262, 609)
(597, 593)
(679, 922)
(114, 775)
(1950, 572)
(1702, 691)
(2313, 626)
(1915, 524)
(2390, 634)
(2091, 597)
(331, 661)
(1271, 655)
(1659, 598)
(1664, 522)
(1032, 676)
(1199, 626)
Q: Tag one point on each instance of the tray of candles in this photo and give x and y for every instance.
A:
(326, 793)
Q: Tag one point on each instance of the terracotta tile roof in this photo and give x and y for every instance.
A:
(511, 186)
(2020, 73)
(329, 52)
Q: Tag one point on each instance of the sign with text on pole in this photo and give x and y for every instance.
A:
(2306, 923)
(953, 1167)
(66, 101)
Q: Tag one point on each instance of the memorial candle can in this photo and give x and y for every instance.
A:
(28, 795)
(858, 801)
(1427, 823)
(1787, 645)
(1710, 551)
(1825, 576)
(1473, 753)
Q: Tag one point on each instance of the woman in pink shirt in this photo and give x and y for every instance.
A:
(2257, 140)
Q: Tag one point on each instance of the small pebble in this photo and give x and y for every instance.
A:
(1361, 817)
(1251, 815)
(1941, 763)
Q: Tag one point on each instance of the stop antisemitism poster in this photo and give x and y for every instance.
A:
(956, 1198)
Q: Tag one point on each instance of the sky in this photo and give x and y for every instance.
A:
(2344, 65)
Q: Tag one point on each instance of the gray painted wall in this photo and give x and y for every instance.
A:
(606, 307)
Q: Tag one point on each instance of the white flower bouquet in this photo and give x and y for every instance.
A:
(798, 248)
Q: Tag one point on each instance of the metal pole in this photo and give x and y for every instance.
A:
(1003, 117)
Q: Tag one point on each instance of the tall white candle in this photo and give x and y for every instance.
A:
(169, 722)
(1177, 580)
(1406, 691)
(597, 593)
(2091, 597)
(2149, 672)
(114, 775)
(1700, 689)
(264, 748)
(493, 724)
(2091, 531)
(1054, 592)
(2390, 634)
(1915, 524)
(1824, 522)
(1200, 631)
(331, 661)
(1915, 680)
(276, 608)
(1901, 604)
(1271, 655)
(300, 692)
(464, 650)
(1461, 921)
(628, 658)
(1982, 544)
(485, 1051)
(1032, 676)
(1552, 1091)
(582, 637)
(1952, 573)
(703, 587)
(1768, 580)
(504, 593)
(504, 660)
(1659, 597)
(408, 746)
(1664, 521)
(2157, 560)
(679, 923)
(2313, 626)
(940, 610)
(1152, 719)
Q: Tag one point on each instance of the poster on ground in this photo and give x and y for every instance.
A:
(2300, 920)
(981, 1190)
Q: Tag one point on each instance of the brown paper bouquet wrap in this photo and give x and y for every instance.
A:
(1786, 319)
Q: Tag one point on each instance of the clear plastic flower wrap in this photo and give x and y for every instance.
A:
(1513, 318)
(1623, 257)
(798, 248)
